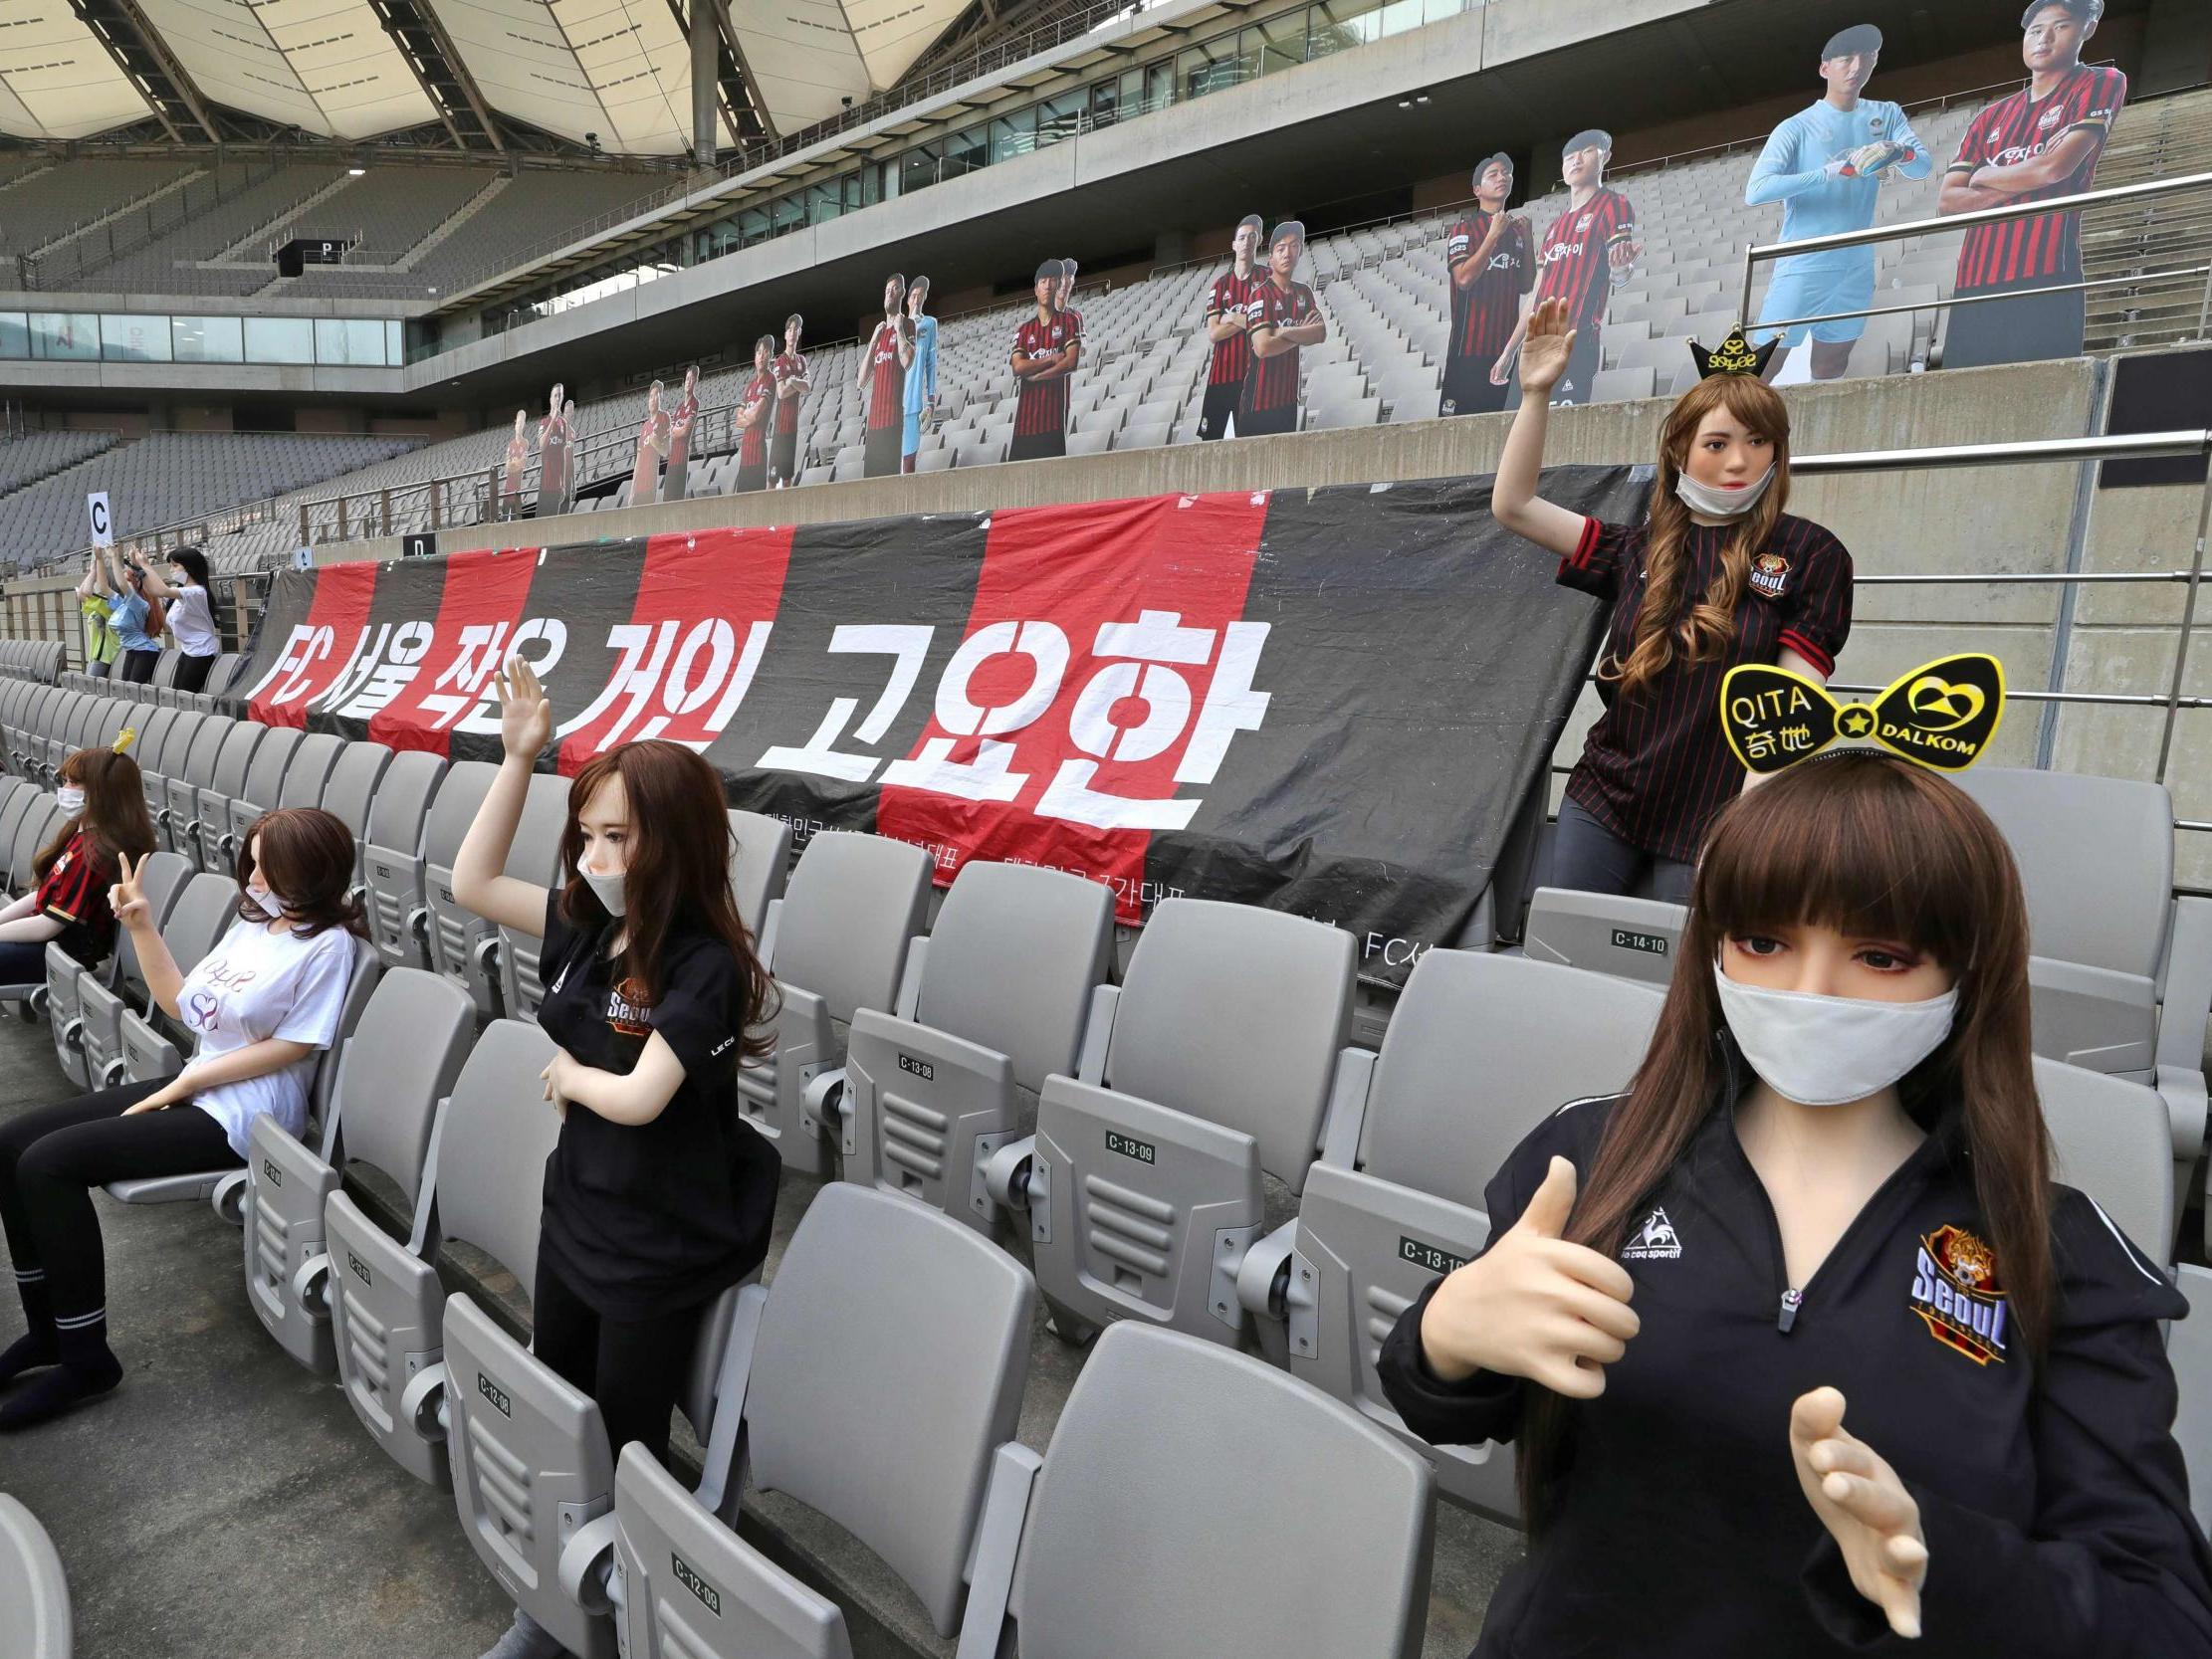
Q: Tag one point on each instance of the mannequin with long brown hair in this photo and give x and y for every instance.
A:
(1701, 585)
(104, 797)
(1801, 1347)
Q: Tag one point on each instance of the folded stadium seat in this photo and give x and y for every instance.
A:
(879, 1379)
(393, 870)
(218, 678)
(33, 1587)
(213, 802)
(307, 774)
(162, 878)
(463, 946)
(162, 684)
(38, 825)
(759, 863)
(347, 792)
(836, 942)
(184, 773)
(1256, 1516)
(535, 857)
(817, 475)
(1366, 411)
(114, 718)
(403, 1049)
(2111, 1138)
(1090, 442)
(1400, 1199)
(979, 454)
(1603, 933)
(1224, 1061)
(2121, 970)
(258, 791)
(156, 743)
(934, 461)
(1619, 385)
(193, 916)
(63, 718)
(1149, 436)
(482, 1181)
(996, 999)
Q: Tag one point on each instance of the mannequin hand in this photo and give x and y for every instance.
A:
(1549, 342)
(161, 1099)
(555, 1076)
(1534, 1306)
(525, 714)
(127, 898)
(1864, 1506)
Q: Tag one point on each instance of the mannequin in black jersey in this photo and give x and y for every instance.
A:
(658, 1196)
(1804, 1351)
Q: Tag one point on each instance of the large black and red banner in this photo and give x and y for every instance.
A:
(1333, 701)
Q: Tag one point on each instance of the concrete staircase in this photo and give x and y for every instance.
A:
(2163, 140)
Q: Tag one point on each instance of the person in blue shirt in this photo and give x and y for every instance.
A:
(1826, 166)
(917, 356)
(130, 617)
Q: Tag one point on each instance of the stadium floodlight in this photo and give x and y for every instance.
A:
(355, 172)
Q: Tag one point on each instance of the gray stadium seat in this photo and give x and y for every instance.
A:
(308, 774)
(202, 914)
(391, 862)
(760, 863)
(2189, 1350)
(879, 1379)
(1456, 1087)
(462, 943)
(482, 1182)
(836, 942)
(534, 857)
(162, 878)
(349, 792)
(394, 1065)
(262, 784)
(1605, 933)
(1001, 1000)
(218, 846)
(14, 815)
(34, 1590)
(38, 827)
(101, 1005)
(1226, 1062)
(1194, 1501)
(2112, 1138)
(185, 772)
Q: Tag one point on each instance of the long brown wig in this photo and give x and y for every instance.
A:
(113, 819)
(1876, 847)
(1708, 629)
(306, 858)
(680, 844)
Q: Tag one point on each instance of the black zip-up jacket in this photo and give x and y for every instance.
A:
(2054, 1505)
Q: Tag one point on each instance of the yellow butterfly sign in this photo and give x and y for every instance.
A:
(1942, 713)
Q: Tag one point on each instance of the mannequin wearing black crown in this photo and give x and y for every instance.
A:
(1715, 575)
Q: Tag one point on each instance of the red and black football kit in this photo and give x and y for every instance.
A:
(74, 894)
(1574, 265)
(1232, 361)
(753, 441)
(1040, 412)
(2040, 250)
(886, 401)
(1270, 401)
(1485, 312)
(1656, 768)
(783, 450)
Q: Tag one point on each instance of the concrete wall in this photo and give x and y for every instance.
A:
(2022, 518)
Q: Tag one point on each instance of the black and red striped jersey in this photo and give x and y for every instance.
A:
(74, 894)
(753, 441)
(1229, 297)
(1484, 313)
(1273, 381)
(887, 379)
(788, 366)
(1656, 768)
(1571, 260)
(2020, 129)
(1043, 403)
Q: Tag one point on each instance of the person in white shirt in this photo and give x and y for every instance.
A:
(265, 1004)
(191, 617)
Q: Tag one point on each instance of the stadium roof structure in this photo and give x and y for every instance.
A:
(567, 77)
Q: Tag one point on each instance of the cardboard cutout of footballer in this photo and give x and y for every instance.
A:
(1228, 308)
(652, 444)
(792, 386)
(1580, 257)
(556, 483)
(1491, 257)
(1285, 317)
(512, 467)
(1047, 344)
(883, 378)
(680, 421)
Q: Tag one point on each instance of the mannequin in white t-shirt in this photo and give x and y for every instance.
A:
(263, 1005)
(183, 589)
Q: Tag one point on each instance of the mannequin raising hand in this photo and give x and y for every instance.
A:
(525, 714)
(1549, 342)
(1533, 1305)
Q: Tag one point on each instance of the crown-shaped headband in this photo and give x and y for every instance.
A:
(1733, 355)
(124, 739)
(1942, 713)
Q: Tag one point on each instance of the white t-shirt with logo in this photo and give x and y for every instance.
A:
(194, 623)
(257, 984)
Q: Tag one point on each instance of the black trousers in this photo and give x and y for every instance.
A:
(137, 666)
(51, 1158)
(1466, 387)
(1219, 413)
(754, 477)
(192, 671)
(1036, 446)
(881, 446)
(784, 458)
(633, 1368)
(1254, 423)
(1586, 857)
(2027, 330)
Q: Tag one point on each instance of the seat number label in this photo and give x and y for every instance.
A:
(494, 1393)
(917, 1068)
(360, 1267)
(1130, 1147)
(1428, 1256)
(709, 1596)
(269, 1168)
(1652, 943)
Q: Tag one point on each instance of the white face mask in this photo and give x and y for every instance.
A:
(270, 906)
(70, 798)
(1715, 503)
(1831, 1049)
(606, 889)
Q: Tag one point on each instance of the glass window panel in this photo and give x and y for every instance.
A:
(15, 334)
(1159, 84)
(64, 337)
(348, 340)
(134, 339)
(1210, 66)
(1277, 42)
(207, 339)
(918, 168)
(280, 339)
(966, 151)
(1105, 101)
(1014, 134)
(1060, 118)
(785, 215)
(396, 342)
(753, 224)
(1401, 15)
(1337, 24)
(824, 202)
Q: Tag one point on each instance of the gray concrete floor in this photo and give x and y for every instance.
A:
(223, 1500)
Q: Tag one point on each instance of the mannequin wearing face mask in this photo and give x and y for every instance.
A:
(182, 586)
(1715, 575)
(658, 1196)
(262, 1007)
(1800, 1348)
(104, 798)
